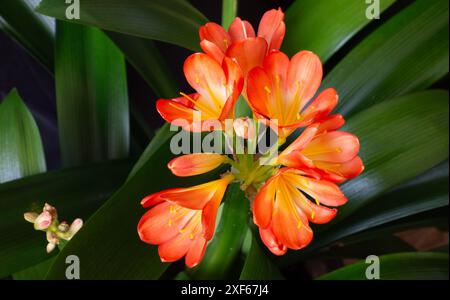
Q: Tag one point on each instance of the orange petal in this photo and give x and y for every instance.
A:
(175, 248)
(335, 146)
(290, 226)
(240, 30)
(324, 104)
(160, 224)
(195, 197)
(249, 53)
(263, 204)
(216, 34)
(258, 98)
(196, 252)
(299, 144)
(210, 210)
(322, 191)
(207, 77)
(343, 171)
(178, 114)
(212, 50)
(276, 64)
(305, 69)
(272, 28)
(235, 81)
(272, 243)
(195, 164)
(331, 123)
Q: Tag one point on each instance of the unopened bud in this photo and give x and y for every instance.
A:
(50, 247)
(50, 209)
(63, 227)
(74, 228)
(52, 238)
(30, 216)
(43, 221)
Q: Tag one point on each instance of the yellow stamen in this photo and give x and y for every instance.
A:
(266, 88)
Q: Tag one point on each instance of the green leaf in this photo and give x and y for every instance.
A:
(406, 54)
(21, 151)
(145, 57)
(36, 272)
(35, 32)
(74, 192)
(323, 27)
(111, 234)
(223, 250)
(416, 127)
(174, 21)
(92, 96)
(258, 266)
(406, 266)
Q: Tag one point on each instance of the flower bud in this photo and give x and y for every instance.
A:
(50, 247)
(50, 209)
(43, 221)
(30, 216)
(63, 227)
(74, 228)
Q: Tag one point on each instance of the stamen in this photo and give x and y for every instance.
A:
(313, 215)
(266, 88)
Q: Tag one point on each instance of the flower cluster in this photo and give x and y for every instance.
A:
(47, 221)
(297, 187)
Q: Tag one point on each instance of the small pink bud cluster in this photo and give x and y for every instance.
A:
(56, 231)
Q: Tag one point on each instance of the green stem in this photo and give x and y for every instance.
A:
(229, 12)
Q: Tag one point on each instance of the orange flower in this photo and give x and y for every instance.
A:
(182, 220)
(241, 42)
(281, 90)
(195, 164)
(218, 87)
(332, 154)
(282, 210)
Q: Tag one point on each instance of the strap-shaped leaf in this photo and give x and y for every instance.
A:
(92, 96)
(21, 151)
(35, 32)
(406, 54)
(398, 266)
(324, 26)
(74, 192)
(400, 139)
(173, 21)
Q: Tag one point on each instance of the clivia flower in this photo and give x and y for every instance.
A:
(281, 90)
(182, 220)
(241, 43)
(287, 192)
(218, 87)
(55, 231)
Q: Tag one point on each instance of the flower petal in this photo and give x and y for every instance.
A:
(271, 241)
(258, 98)
(342, 171)
(240, 30)
(216, 34)
(324, 104)
(196, 252)
(212, 50)
(162, 223)
(174, 249)
(195, 164)
(272, 28)
(331, 123)
(263, 205)
(248, 53)
(305, 69)
(335, 146)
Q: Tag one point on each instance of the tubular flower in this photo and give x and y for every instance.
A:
(332, 154)
(195, 164)
(281, 90)
(182, 220)
(218, 87)
(241, 43)
(282, 208)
